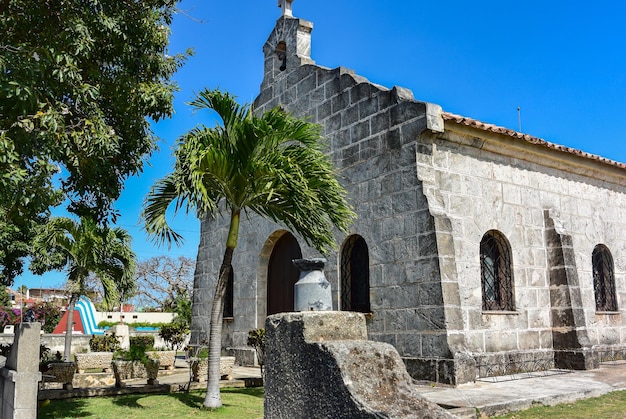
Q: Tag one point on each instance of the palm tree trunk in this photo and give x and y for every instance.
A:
(67, 351)
(212, 399)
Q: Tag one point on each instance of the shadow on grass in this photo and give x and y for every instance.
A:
(250, 391)
(71, 408)
(195, 398)
(192, 399)
(130, 401)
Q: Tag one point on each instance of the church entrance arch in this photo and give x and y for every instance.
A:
(282, 274)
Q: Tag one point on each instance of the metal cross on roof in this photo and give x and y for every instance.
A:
(286, 6)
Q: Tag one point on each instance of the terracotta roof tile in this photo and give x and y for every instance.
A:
(462, 120)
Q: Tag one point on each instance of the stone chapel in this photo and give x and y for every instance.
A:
(477, 250)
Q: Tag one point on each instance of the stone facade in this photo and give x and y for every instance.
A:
(427, 186)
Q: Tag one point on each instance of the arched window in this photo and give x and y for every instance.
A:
(355, 275)
(229, 296)
(496, 272)
(603, 279)
(281, 54)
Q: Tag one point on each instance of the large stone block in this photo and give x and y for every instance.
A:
(319, 366)
(21, 374)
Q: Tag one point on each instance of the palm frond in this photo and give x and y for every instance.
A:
(84, 247)
(161, 197)
(272, 164)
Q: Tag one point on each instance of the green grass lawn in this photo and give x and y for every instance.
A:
(238, 403)
(609, 406)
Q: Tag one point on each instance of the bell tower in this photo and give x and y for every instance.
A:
(288, 46)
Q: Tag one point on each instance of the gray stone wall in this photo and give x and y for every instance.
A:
(480, 182)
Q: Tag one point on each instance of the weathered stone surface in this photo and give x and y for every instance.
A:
(24, 355)
(93, 360)
(20, 374)
(94, 380)
(317, 366)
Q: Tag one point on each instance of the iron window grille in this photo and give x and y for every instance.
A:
(603, 279)
(355, 277)
(496, 272)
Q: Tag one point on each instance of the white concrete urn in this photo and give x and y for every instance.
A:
(312, 291)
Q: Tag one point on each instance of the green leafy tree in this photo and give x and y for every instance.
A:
(48, 314)
(81, 248)
(182, 308)
(5, 298)
(272, 165)
(79, 81)
(174, 335)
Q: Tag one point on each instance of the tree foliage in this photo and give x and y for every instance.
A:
(174, 335)
(78, 80)
(48, 314)
(183, 305)
(5, 297)
(256, 339)
(81, 248)
(273, 165)
(161, 280)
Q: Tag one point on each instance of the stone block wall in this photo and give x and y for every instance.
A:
(478, 182)
(372, 135)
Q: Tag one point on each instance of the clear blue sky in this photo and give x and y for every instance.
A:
(561, 62)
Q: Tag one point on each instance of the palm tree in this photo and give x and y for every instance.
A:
(82, 248)
(272, 165)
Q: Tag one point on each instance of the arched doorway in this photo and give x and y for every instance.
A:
(355, 275)
(282, 274)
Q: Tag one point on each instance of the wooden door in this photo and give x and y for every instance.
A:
(282, 274)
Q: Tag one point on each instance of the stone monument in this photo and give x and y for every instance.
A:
(320, 365)
(20, 375)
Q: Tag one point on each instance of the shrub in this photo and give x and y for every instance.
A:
(48, 314)
(145, 342)
(174, 335)
(201, 352)
(256, 339)
(182, 307)
(9, 317)
(104, 343)
(134, 353)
